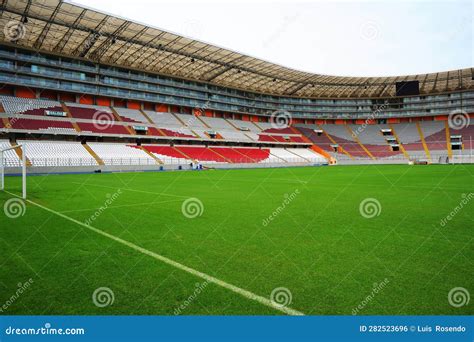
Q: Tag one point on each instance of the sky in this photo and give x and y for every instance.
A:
(344, 38)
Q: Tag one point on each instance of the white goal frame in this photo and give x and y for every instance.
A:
(23, 168)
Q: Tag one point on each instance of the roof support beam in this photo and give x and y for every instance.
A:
(84, 47)
(64, 40)
(108, 42)
(39, 42)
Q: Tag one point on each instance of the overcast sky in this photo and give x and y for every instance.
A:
(348, 38)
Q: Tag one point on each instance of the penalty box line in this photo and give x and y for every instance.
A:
(242, 292)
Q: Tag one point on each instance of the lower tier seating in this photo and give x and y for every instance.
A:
(57, 153)
(10, 157)
(120, 154)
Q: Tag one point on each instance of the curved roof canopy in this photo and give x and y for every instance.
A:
(72, 30)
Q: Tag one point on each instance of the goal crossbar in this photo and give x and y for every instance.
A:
(23, 167)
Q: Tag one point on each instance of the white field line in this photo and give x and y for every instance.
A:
(244, 293)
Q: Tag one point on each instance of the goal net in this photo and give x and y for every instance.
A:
(4, 164)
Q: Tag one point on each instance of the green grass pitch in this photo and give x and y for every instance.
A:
(327, 256)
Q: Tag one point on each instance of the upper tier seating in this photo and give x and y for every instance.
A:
(50, 126)
(120, 154)
(191, 121)
(57, 153)
(18, 105)
(164, 119)
(370, 134)
(245, 124)
(435, 135)
(101, 128)
(234, 135)
(10, 157)
(131, 115)
(342, 137)
(217, 123)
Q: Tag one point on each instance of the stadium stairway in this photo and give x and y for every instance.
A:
(297, 155)
(157, 160)
(448, 139)
(395, 135)
(216, 151)
(357, 140)
(118, 118)
(19, 153)
(313, 147)
(244, 156)
(69, 115)
(423, 142)
(343, 150)
(185, 156)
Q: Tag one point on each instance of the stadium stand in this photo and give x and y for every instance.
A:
(10, 157)
(120, 154)
(56, 153)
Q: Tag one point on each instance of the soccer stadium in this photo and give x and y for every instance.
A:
(148, 173)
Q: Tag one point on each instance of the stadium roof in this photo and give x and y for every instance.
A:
(72, 30)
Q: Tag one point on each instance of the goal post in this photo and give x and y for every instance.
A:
(23, 168)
